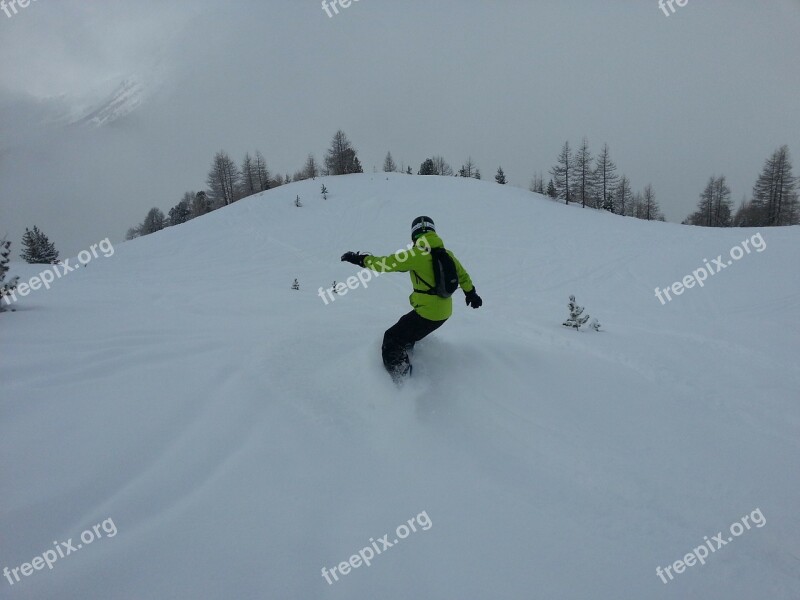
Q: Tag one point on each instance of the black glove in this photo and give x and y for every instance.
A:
(356, 258)
(472, 299)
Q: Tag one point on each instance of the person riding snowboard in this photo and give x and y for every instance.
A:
(435, 275)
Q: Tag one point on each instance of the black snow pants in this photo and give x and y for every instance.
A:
(401, 337)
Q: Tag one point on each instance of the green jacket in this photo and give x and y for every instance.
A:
(419, 264)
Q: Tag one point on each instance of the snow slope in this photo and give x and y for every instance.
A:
(242, 436)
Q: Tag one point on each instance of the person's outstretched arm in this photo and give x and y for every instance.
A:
(401, 262)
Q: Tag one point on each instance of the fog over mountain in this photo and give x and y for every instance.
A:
(108, 109)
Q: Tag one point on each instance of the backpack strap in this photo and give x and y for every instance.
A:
(430, 291)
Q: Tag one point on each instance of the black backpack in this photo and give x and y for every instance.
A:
(445, 275)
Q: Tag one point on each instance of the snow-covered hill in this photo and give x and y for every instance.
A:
(229, 437)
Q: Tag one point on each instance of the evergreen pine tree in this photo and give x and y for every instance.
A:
(389, 165)
(30, 246)
(775, 200)
(576, 318)
(427, 168)
(609, 203)
(500, 177)
(201, 205)
(296, 285)
(562, 173)
(5, 253)
(551, 190)
(6, 287)
(341, 157)
(37, 249)
(181, 212)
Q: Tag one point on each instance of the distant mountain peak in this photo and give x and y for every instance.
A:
(123, 101)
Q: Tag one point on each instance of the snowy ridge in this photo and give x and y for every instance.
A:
(243, 435)
(122, 102)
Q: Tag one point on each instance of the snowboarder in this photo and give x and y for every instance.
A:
(431, 301)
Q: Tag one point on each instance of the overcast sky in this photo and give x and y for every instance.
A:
(710, 89)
